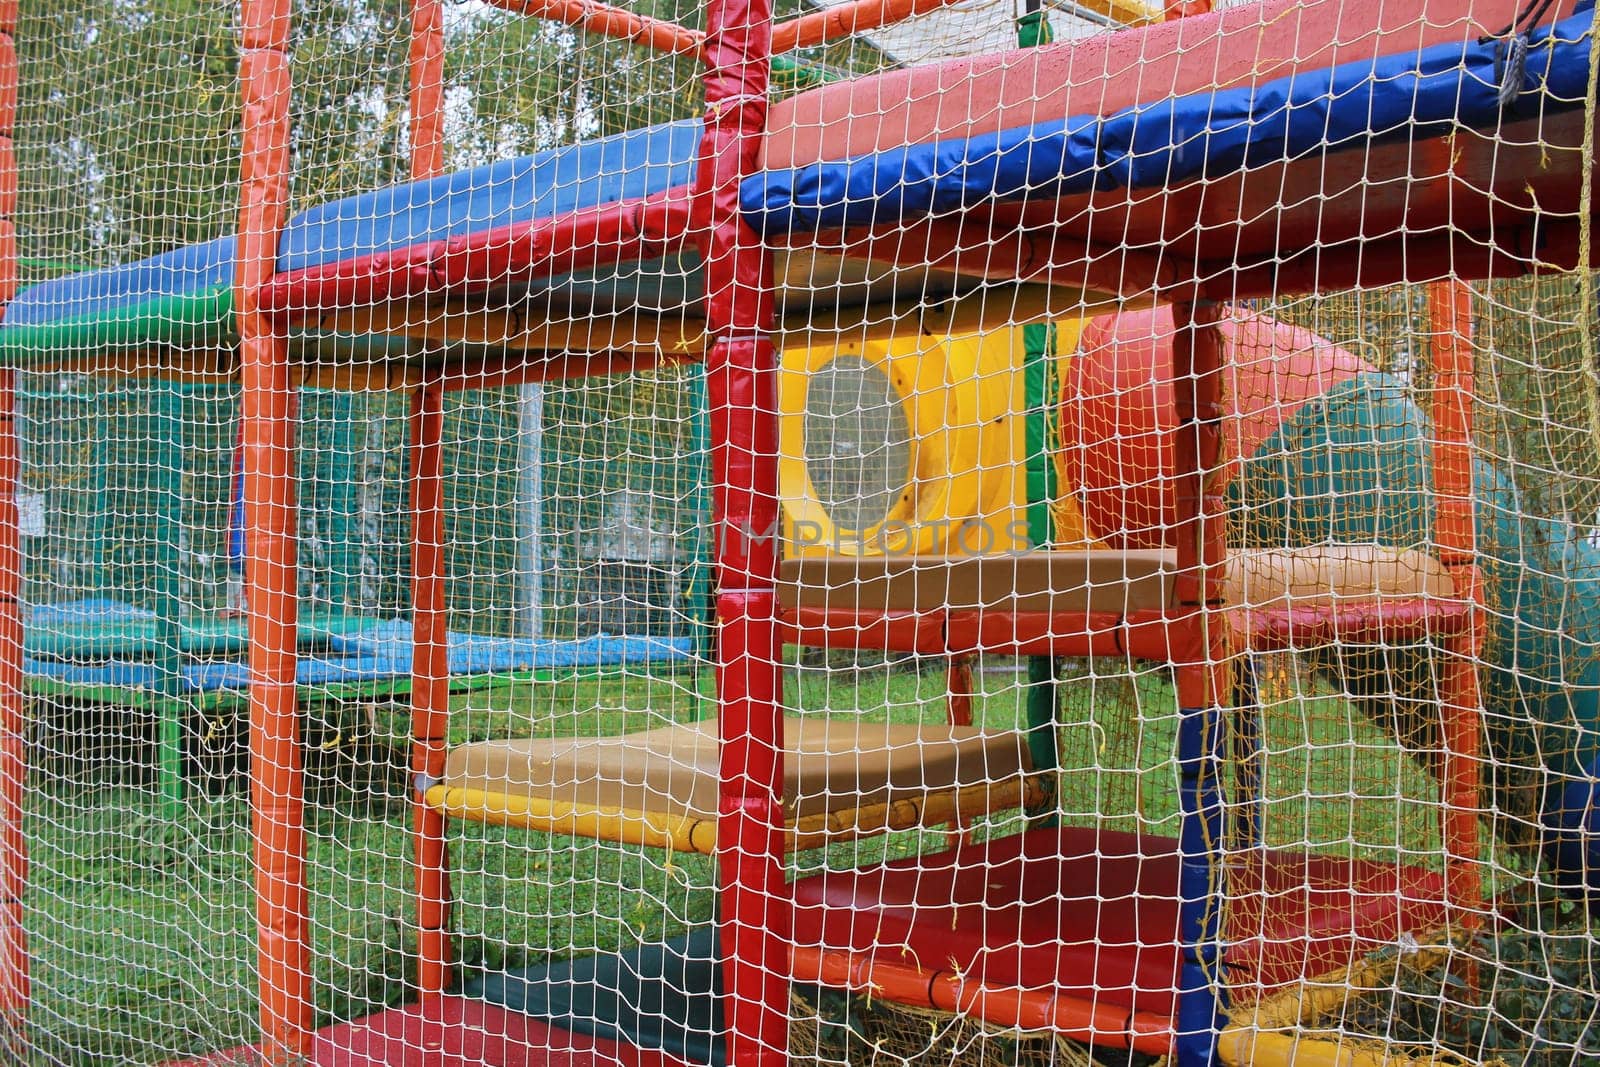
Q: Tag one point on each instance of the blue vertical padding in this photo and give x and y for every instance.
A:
(1201, 993)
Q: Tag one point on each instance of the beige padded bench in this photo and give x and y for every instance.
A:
(1330, 575)
(843, 779)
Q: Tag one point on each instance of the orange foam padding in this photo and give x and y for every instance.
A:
(1118, 414)
(8, 260)
(1094, 914)
(8, 176)
(453, 1032)
(8, 82)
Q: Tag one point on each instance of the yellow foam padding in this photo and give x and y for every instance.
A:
(688, 833)
(1070, 529)
(964, 401)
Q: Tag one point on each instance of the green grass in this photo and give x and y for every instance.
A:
(143, 931)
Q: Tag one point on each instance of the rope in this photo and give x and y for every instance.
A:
(1586, 296)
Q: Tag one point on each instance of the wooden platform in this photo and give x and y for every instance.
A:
(1096, 581)
(844, 778)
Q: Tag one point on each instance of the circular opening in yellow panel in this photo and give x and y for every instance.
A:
(879, 448)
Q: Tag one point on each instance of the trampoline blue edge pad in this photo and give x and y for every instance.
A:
(380, 655)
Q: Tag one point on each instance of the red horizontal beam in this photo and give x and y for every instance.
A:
(609, 233)
(1510, 251)
(980, 247)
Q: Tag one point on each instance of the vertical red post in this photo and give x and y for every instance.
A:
(741, 389)
(430, 683)
(14, 961)
(430, 652)
(267, 430)
(1201, 681)
(1450, 315)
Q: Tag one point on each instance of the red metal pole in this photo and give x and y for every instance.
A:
(430, 651)
(14, 962)
(430, 683)
(741, 389)
(1450, 313)
(267, 431)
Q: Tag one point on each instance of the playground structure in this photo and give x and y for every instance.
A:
(1228, 485)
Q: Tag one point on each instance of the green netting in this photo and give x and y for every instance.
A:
(130, 489)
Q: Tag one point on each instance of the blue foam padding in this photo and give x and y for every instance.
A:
(188, 270)
(557, 182)
(1161, 144)
(472, 654)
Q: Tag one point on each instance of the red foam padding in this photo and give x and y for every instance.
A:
(456, 1032)
(1095, 914)
(1097, 75)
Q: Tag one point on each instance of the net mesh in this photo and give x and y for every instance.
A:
(1070, 774)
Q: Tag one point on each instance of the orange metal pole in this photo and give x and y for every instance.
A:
(430, 686)
(1450, 313)
(608, 21)
(427, 88)
(807, 31)
(863, 16)
(14, 961)
(430, 650)
(268, 433)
